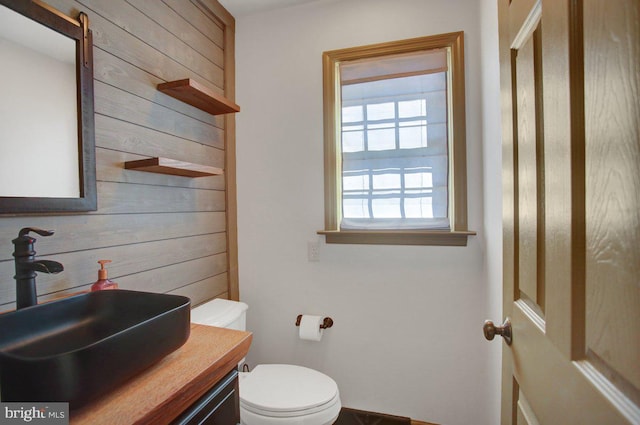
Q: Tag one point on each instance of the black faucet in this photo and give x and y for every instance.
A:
(27, 266)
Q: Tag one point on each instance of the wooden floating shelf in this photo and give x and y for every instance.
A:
(173, 167)
(196, 94)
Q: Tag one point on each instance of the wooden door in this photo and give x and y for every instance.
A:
(570, 80)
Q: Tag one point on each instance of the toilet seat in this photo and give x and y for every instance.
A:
(277, 393)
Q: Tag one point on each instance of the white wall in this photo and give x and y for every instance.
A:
(407, 337)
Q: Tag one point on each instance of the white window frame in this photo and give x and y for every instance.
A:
(458, 232)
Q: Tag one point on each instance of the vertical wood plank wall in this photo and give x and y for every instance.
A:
(163, 233)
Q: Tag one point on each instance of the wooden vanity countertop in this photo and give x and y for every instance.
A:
(159, 394)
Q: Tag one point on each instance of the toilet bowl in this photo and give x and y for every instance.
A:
(274, 394)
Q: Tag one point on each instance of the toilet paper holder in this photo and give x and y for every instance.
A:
(327, 322)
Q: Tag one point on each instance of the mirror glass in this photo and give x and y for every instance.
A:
(37, 82)
(47, 148)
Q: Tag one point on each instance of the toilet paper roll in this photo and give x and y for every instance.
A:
(310, 327)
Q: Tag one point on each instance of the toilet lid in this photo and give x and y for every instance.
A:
(280, 388)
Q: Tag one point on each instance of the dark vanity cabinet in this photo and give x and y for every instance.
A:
(218, 406)
(197, 384)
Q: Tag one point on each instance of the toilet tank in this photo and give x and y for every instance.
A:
(221, 313)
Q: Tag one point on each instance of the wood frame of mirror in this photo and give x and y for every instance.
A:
(77, 30)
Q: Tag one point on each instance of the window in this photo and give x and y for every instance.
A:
(395, 160)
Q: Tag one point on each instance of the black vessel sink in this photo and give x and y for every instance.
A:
(79, 348)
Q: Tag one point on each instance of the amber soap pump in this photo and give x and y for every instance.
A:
(103, 282)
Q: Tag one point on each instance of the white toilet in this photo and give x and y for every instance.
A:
(274, 394)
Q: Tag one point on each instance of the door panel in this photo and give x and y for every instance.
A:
(525, 415)
(528, 144)
(613, 186)
(559, 391)
(527, 178)
(570, 79)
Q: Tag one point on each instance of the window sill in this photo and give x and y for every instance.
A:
(398, 237)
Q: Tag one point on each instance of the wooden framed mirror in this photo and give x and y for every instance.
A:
(47, 136)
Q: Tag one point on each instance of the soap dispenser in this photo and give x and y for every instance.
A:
(103, 282)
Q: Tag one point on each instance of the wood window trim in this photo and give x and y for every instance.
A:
(459, 232)
(398, 237)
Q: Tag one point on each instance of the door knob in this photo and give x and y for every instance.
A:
(490, 330)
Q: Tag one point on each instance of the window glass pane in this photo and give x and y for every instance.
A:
(382, 139)
(355, 208)
(437, 134)
(440, 201)
(413, 137)
(381, 111)
(386, 181)
(386, 207)
(437, 106)
(352, 113)
(394, 132)
(418, 207)
(352, 141)
(412, 108)
(355, 183)
(434, 82)
(418, 180)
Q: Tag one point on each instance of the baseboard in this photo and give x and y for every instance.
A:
(361, 417)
